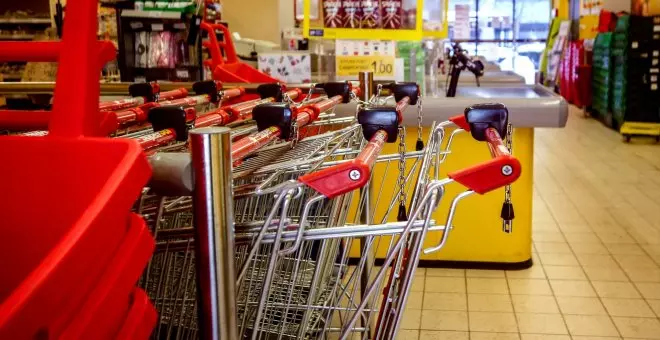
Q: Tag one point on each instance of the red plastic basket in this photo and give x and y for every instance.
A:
(66, 197)
(232, 70)
(141, 318)
(107, 306)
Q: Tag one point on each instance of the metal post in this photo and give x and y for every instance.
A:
(214, 232)
(366, 79)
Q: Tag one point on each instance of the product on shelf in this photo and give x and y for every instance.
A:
(392, 13)
(160, 50)
(141, 49)
(332, 13)
(352, 13)
(370, 13)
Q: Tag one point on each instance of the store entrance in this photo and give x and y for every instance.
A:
(508, 33)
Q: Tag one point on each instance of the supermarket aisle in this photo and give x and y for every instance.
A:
(597, 252)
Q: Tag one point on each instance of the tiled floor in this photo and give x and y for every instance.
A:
(596, 252)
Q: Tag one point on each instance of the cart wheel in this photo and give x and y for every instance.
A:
(627, 138)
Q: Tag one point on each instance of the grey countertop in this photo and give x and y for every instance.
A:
(529, 105)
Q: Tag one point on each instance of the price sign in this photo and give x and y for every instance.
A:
(350, 66)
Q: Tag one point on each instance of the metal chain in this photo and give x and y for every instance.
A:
(419, 118)
(312, 86)
(402, 166)
(507, 225)
(287, 99)
(295, 134)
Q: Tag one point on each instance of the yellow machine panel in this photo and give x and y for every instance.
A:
(477, 234)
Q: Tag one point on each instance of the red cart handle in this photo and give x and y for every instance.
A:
(459, 120)
(173, 94)
(239, 111)
(346, 177)
(221, 116)
(379, 125)
(502, 170)
(314, 110)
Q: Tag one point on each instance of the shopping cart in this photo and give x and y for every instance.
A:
(169, 280)
(142, 93)
(310, 279)
(172, 123)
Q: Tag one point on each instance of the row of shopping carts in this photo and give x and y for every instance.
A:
(312, 257)
(305, 252)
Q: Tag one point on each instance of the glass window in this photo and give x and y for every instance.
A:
(512, 32)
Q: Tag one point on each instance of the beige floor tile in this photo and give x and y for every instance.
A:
(415, 300)
(572, 227)
(534, 304)
(581, 337)
(529, 286)
(452, 272)
(545, 225)
(559, 259)
(596, 260)
(642, 274)
(534, 272)
(493, 322)
(647, 328)
(444, 320)
(590, 325)
(630, 261)
(649, 290)
(407, 334)
(445, 301)
(411, 319)
(544, 337)
(655, 305)
(487, 286)
(445, 284)
(598, 273)
(628, 307)
(547, 236)
(572, 288)
(493, 336)
(589, 248)
(489, 303)
(484, 273)
(564, 272)
(552, 247)
(617, 238)
(624, 249)
(443, 335)
(417, 284)
(580, 305)
(581, 237)
(615, 289)
(541, 323)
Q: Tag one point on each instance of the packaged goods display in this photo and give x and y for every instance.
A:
(370, 13)
(160, 49)
(352, 13)
(332, 14)
(392, 13)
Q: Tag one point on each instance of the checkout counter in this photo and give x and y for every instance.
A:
(477, 239)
